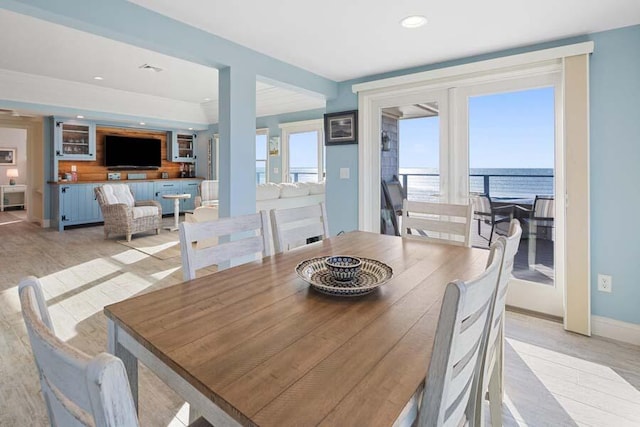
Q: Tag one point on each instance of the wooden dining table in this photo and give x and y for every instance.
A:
(254, 345)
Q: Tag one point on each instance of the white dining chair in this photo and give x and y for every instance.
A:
(493, 365)
(294, 226)
(78, 390)
(437, 222)
(245, 235)
(452, 383)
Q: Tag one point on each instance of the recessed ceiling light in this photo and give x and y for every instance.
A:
(98, 78)
(207, 99)
(79, 116)
(414, 21)
(190, 128)
(142, 123)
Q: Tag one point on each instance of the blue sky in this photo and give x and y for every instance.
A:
(506, 130)
(302, 150)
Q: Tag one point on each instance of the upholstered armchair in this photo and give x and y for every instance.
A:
(208, 194)
(123, 214)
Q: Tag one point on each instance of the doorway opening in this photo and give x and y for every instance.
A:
(409, 159)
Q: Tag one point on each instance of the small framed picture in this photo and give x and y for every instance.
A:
(7, 156)
(274, 146)
(341, 128)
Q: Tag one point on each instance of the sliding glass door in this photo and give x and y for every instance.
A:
(515, 162)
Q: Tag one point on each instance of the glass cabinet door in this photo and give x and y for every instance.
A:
(182, 147)
(76, 140)
(185, 146)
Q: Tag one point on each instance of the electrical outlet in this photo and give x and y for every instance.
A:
(605, 283)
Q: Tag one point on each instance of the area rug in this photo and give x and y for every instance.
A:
(162, 246)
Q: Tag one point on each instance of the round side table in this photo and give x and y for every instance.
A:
(176, 207)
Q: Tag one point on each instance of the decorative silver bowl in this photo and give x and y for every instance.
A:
(342, 267)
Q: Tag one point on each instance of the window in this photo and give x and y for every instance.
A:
(303, 151)
(262, 156)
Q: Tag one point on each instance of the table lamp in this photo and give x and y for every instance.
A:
(12, 174)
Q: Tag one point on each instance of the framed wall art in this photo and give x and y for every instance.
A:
(7, 156)
(274, 146)
(341, 128)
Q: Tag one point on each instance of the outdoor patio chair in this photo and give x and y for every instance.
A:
(484, 210)
(540, 223)
(541, 215)
(393, 195)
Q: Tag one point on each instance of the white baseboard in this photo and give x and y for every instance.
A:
(615, 329)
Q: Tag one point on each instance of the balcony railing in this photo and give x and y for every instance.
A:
(426, 186)
(303, 176)
(294, 177)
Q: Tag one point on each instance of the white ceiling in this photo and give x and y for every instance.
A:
(41, 48)
(342, 40)
(49, 64)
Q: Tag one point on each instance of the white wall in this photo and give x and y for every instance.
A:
(14, 138)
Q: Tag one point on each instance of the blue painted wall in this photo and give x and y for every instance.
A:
(615, 171)
(614, 151)
(342, 194)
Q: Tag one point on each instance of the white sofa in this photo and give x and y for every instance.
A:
(288, 195)
(270, 196)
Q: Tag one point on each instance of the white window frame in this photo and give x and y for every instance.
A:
(543, 62)
(287, 129)
(533, 296)
(265, 132)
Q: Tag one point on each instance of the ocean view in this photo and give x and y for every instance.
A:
(500, 182)
(424, 183)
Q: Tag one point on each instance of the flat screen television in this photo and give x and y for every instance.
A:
(123, 152)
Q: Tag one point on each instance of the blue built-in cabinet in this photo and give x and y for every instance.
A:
(161, 188)
(189, 187)
(142, 190)
(76, 204)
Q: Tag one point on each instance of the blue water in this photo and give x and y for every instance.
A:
(518, 183)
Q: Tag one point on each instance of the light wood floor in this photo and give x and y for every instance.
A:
(553, 378)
